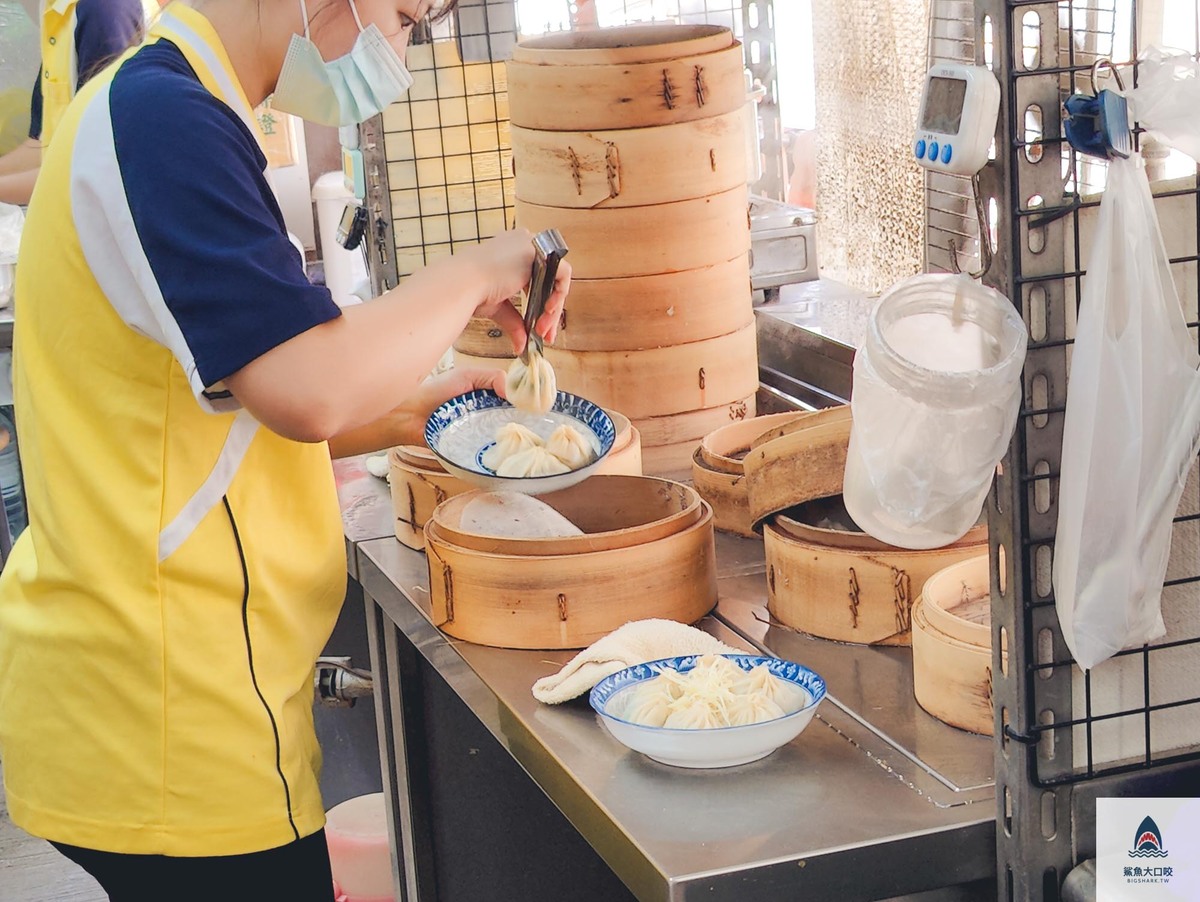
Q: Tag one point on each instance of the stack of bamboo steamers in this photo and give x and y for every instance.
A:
(631, 142)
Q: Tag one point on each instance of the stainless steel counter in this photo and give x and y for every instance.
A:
(865, 804)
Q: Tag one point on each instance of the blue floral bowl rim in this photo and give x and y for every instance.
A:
(811, 682)
(495, 402)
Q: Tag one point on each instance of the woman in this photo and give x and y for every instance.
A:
(177, 378)
(78, 39)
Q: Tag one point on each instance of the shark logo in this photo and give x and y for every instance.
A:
(1148, 842)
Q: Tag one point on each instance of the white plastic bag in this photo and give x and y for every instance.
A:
(1166, 101)
(1130, 434)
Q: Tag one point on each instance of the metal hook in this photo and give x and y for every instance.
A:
(985, 237)
(1112, 67)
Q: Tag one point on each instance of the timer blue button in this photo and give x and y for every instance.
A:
(933, 151)
(920, 148)
(947, 152)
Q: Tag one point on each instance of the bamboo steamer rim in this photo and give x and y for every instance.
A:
(915, 554)
(829, 417)
(718, 447)
(417, 457)
(851, 540)
(943, 594)
(806, 464)
(447, 517)
(726, 494)
(623, 44)
(433, 532)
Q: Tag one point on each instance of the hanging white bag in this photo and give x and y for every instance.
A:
(1130, 433)
(1166, 100)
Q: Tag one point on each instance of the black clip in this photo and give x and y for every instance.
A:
(1098, 125)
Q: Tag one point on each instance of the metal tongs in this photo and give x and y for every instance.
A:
(548, 249)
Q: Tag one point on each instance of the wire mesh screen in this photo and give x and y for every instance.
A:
(447, 148)
(1142, 708)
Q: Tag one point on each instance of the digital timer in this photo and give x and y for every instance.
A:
(957, 120)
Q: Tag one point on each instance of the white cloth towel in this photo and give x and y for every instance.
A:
(634, 643)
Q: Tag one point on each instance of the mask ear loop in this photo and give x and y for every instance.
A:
(353, 9)
(304, 16)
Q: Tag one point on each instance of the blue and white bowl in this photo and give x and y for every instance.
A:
(718, 746)
(462, 429)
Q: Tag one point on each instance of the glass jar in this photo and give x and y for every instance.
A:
(937, 388)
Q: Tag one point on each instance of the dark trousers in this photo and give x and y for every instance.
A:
(297, 872)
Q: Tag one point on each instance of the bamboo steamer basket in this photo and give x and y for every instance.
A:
(635, 510)
(807, 462)
(952, 646)
(657, 381)
(625, 78)
(668, 308)
(569, 601)
(693, 425)
(419, 483)
(417, 489)
(719, 477)
(685, 234)
(630, 167)
(483, 338)
(849, 595)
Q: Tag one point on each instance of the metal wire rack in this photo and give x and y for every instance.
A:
(445, 148)
(1059, 727)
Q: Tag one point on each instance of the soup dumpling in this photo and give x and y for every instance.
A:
(569, 445)
(511, 438)
(531, 387)
(535, 461)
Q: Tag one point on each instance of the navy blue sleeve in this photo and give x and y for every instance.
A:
(104, 29)
(35, 109)
(207, 221)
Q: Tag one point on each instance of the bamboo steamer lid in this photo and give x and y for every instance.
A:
(630, 167)
(849, 595)
(659, 75)
(693, 424)
(635, 510)
(806, 463)
(719, 477)
(569, 601)
(658, 381)
(670, 237)
(667, 308)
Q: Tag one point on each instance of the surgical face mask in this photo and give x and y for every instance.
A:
(347, 91)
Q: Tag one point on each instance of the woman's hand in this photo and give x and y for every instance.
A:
(406, 424)
(507, 261)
